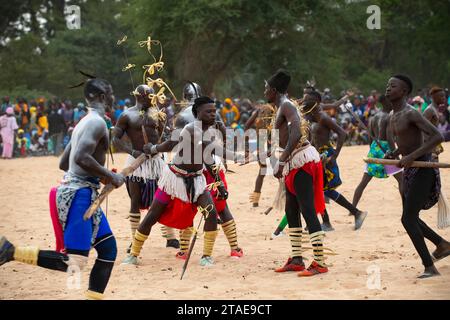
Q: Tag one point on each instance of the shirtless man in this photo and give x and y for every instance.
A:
(431, 113)
(141, 126)
(421, 186)
(301, 169)
(83, 160)
(322, 126)
(261, 119)
(182, 188)
(378, 126)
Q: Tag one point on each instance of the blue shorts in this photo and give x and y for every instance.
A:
(78, 233)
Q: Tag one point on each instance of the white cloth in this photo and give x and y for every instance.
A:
(301, 156)
(174, 186)
(150, 169)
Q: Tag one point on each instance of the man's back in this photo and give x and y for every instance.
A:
(90, 130)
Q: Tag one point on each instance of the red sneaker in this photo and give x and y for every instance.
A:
(312, 270)
(291, 267)
(181, 255)
(238, 253)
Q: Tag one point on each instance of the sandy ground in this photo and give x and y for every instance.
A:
(381, 244)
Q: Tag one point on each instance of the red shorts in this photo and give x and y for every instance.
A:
(218, 203)
(178, 214)
(315, 170)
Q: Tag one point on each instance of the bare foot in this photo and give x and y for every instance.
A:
(429, 272)
(442, 250)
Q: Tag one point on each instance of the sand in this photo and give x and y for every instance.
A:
(381, 250)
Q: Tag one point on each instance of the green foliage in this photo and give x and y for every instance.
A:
(228, 46)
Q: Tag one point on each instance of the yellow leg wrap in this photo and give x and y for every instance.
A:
(92, 295)
(295, 235)
(208, 242)
(135, 219)
(229, 228)
(168, 233)
(254, 197)
(185, 238)
(28, 255)
(138, 242)
(319, 250)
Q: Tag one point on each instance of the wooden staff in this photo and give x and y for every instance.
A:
(107, 189)
(188, 256)
(417, 164)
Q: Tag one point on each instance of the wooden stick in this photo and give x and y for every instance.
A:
(107, 189)
(188, 256)
(417, 164)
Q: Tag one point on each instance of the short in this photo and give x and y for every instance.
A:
(78, 232)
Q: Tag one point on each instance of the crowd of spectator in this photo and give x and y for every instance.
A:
(43, 127)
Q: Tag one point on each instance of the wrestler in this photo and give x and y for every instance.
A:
(140, 125)
(378, 126)
(321, 128)
(83, 159)
(431, 113)
(421, 186)
(215, 177)
(261, 119)
(301, 169)
(182, 188)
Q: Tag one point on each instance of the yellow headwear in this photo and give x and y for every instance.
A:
(228, 100)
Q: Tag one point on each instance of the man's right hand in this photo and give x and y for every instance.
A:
(147, 148)
(117, 179)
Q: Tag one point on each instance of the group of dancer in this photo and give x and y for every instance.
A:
(194, 180)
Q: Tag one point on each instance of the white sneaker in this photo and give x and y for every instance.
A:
(130, 259)
(273, 235)
(206, 261)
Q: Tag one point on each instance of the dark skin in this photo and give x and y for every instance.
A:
(332, 105)
(408, 127)
(130, 123)
(206, 114)
(378, 128)
(287, 121)
(249, 124)
(322, 126)
(431, 112)
(90, 143)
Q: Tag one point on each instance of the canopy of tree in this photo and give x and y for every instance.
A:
(228, 46)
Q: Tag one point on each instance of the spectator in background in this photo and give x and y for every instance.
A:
(32, 126)
(5, 105)
(128, 104)
(118, 110)
(8, 127)
(22, 143)
(67, 113)
(67, 137)
(245, 112)
(41, 122)
(417, 103)
(23, 112)
(230, 113)
(56, 128)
